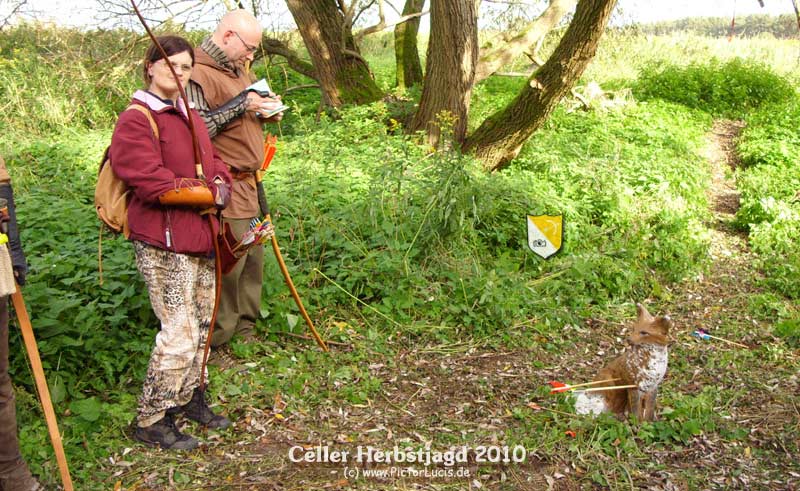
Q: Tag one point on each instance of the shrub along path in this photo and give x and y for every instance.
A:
(729, 415)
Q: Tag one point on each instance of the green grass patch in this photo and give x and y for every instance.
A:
(724, 89)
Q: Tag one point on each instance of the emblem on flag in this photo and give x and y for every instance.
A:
(545, 233)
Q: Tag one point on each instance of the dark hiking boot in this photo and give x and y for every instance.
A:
(197, 410)
(165, 434)
(20, 479)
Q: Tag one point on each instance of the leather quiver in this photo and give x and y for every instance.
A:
(190, 196)
(228, 257)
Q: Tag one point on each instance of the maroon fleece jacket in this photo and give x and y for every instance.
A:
(151, 168)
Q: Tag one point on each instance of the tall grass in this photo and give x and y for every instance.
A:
(622, 55)
(54, 78)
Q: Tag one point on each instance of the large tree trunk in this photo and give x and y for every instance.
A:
(493, 59)
(342, 73)
(500, 138)
(450, 67)
(406, 54)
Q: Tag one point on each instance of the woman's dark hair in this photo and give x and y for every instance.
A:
(172, 46)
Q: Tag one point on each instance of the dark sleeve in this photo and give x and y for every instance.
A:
(14, 245)
(136, 157)
(216, 119)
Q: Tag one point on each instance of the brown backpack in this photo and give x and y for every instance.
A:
(111, 194)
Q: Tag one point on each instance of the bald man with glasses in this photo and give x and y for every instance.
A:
(218, 89)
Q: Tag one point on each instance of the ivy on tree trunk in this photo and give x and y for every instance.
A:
(406, 53)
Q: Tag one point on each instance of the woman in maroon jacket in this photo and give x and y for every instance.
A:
(173, 243)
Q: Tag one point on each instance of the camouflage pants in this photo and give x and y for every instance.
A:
(181, 290)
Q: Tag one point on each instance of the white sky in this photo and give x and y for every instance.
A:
(88, 13)
(655, 10)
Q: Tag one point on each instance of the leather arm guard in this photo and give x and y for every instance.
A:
(191, 193)
(237, 105)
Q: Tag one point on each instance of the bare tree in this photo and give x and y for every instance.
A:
(157, 12)
(9, 9)
(500, 138)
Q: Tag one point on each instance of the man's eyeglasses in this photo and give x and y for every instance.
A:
(250, 49)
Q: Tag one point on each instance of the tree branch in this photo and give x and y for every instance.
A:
(366, 7)
(796, 12)
(396, 10)
(272, 46)
(14, 10)
(299, 87)
(382, 25)
(509, 2)
(348, 12)
(355, 54)
(155, 11)
(377, 27)
(493, 59)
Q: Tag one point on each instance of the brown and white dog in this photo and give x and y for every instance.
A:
(643, 364)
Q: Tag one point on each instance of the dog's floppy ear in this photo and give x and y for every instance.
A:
(664, 323)
(643, 314)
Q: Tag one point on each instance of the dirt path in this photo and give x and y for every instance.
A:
(760, 383)
(720, 293)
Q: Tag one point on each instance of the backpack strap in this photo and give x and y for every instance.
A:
(154, 127)
(149, 116)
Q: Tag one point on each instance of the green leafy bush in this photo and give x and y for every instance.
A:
(686, 418)
(771, 137)
(730, 89)
(451, 240)
(789, 330)
(769, 182)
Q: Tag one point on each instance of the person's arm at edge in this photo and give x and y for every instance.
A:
(18, 262)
